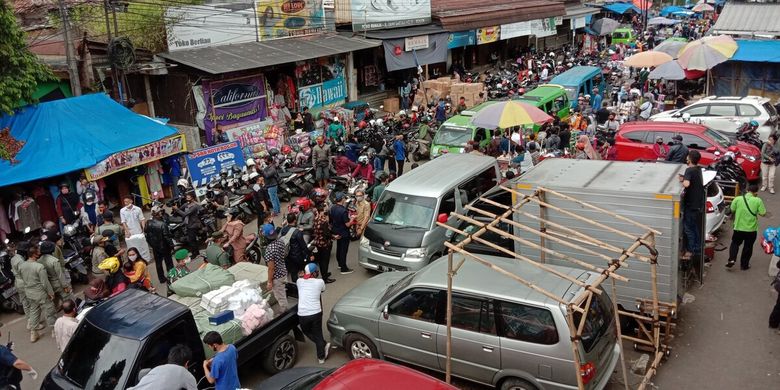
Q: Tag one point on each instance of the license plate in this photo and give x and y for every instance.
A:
(9, 293)
(384, 268)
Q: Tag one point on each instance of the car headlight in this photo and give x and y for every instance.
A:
(751, 158)
(416, 252)
(364, 242)
(333, 319)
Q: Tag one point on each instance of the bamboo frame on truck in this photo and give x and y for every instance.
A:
(583, 243)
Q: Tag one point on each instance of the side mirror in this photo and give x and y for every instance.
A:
(385, 313)
(676, 115)
(712, 149)
(442, 218)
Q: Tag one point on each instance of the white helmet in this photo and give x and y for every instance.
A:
(336, 119)
(250, 162)
(686, 117)
(183, 183)
(363, 159)
(372, 122)
(253, 175)
(402, 112)
(380, 122)
(414, 108)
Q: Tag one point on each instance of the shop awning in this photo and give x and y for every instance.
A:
(757, 19)
(757, 51)
(253, 55)
(66, 135)
(621, 8)
(460, 15)
(414, 31)
(579, 11)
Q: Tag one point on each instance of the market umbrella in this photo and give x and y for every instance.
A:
(662, 21)
(703, 7)
(668, 71)
(648, 59)
(705, 53)
(508, 114)
(670, 47)
(605, 26)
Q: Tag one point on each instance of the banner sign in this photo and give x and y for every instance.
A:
(137, 156)
(204, 164)
(289, 18)
(488, 34)
(462, 39)
(538, 27)
(578, 23)
(514, 30)
(378, 15)
(544, 27)
(323, 94)
(201, 26)
(416, 43)
(233, 102)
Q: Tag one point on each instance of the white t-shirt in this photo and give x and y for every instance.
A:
(132, 218)
(309, 291)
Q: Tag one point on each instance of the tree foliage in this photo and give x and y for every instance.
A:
(20, 70)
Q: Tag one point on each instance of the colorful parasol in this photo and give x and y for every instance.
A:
(648, 59)
(508, 114)
(670, 47)
(703, 7)
(705, 53)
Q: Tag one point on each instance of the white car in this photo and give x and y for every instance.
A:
(716, 203)
(725, 114)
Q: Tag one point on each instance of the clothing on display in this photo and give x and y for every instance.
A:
(26, 214)
(154, 180)
(45, 203)
(5, 225)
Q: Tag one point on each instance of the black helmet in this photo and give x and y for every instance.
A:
(341, 150)
(234, 212)
(47, 247)
(273, 152)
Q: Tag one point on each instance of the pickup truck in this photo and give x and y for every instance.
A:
(132, 332)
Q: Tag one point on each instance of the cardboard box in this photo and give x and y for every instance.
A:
(474, 87)
(428, 84)
(392, 105)
(457, 89)
(433, 95)
(446, 80)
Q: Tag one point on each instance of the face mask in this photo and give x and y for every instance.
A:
(132, 257)
(360, 198)
(187, 260)
(660, 142)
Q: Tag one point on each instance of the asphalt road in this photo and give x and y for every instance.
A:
(722, 339)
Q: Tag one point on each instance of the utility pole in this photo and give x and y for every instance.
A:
(73, 69)
(114, 79)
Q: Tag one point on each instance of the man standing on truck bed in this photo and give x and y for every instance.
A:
(222, 369)
(693, 204)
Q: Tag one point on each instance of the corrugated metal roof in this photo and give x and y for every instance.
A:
(411, 31)
(253, 55)
(458, 15)
(748, 19)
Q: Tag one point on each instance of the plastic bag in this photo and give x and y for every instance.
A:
(767, 246)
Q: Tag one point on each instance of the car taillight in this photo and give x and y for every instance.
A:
(587, 372)
(710, 207)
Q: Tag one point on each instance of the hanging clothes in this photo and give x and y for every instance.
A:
(143, 190)
(154, 179)
(5, 224)
(45, 203)
(27, 215)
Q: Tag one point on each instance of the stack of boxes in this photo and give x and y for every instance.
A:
(469, 91)
(443, 87)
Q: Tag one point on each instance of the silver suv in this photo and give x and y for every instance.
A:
(504, 333)
(727, 113)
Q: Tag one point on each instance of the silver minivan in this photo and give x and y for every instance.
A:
(504, 333)
(402, 234)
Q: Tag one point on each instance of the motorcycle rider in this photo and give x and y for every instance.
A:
(39, 292)
(364, 170)
(678, 152)
(98, 253)
(298, 254)
(305, 218)
(343, 165)
(110, 226)
(55, 271)
(352, 149)
(191, 220)
(159, 238)
(336, 131)
(17, 253)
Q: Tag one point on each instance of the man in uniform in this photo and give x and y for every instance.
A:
(215, 253)
(40, 294)
(54, 271)
(17, 253)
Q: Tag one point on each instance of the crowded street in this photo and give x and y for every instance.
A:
(287, 194)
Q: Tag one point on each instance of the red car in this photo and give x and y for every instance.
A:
(356, 374)
(634, 141)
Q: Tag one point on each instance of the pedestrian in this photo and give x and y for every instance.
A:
(66, 325)
(191, 221)
(160, 240)
(310, 289)
(597, 99)
(180, 269)
(54, 271)
(174, 375)
(102, 207)
(692, 204)
(215, 251)
(89, 215)
(746, 208)
(340, 223)
(132, 218)
(84, 187)
(137, 271)
(305, 218)
(384, 180)
(320, 156)
(39, 293)
(234, 231)
(68, 205)
(399, 147)
(323, 242)
(222, 369)
(308, 120)
(110, 229)
(678, 152)
(260, 197)
(363, 212)
(336, 131)
(272, 180)
(274, 258)
(298, 252)
(769, 163)
(13, 367)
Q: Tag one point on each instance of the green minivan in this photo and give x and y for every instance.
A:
(550, 98)
(624, 35)
(456, 132)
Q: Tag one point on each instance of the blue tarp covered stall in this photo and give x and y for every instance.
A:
(66, 135)
(621, 8)
(668, 10)
(749, 71)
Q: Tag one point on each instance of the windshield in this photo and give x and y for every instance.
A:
(571, 92)
(405, 210)
(398, 286)
(718, 138)
(98, 360)
(454, 136)
(597, 322)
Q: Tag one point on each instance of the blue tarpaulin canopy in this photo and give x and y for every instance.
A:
(65, 135)
(668, 10)
(757, 51)
(621, 8)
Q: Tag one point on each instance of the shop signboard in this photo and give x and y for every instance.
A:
(513, 30)
(416, 43)
(205, 164)
(231, 103)
(538, 27)
(137, 156)
(378, 15)
(462, 39)
(544, 27)
(289, 18)
(488, 34)
(578, 22)
(205, 26)
(323, 94)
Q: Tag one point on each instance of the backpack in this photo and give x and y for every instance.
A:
(287, 238)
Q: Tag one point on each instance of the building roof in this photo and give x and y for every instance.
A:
(748, 19)
(749, 50)
(411, 31)
(253, 55)
(459, 15)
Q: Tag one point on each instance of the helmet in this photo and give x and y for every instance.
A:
(401, 113)
(363, 159)
(253, 175)
(362, 125)
(286, 149)
(521, 91)
(273, 152)
(250, 162)
(110, 264)
(303, 204)
(727, 158)
(414, 108)
(372, 122)
(341, 150)
(234, 212)
(336, 119)
(380, 122)
(319, 194)
(371, 152)
(753, 123)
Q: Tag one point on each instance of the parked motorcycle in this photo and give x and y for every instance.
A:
(74, 265)
(727, 169)
(9, 296)
(748, 133)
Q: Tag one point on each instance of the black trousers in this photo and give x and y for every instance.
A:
(192, 240)
(322, 257)
(293, 267)
(162, 255)
(342, 246)
(399, 167)
(391, 165)
(311, 326)
(774, 318)
(738, 238)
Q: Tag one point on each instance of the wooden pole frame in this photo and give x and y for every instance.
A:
(581, 302)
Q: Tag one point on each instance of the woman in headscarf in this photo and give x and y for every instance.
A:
(234, 230)
(135, 269)
(588, 148)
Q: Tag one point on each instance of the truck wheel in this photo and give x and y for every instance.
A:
(516, 384)
(360, 347)
(281, 356)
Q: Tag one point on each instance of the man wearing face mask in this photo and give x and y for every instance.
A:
(678, 152)
(660, 149)
(159, 238)
(192, 221)
(363, 212)
(68, 205)
(180, 270)
(132, 218)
